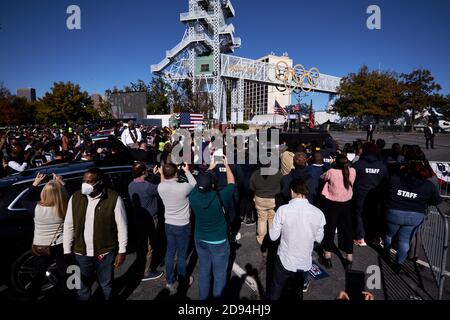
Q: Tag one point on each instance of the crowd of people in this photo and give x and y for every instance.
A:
(369, 194)
(25, 147)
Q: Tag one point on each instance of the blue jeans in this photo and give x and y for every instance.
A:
(404, 225)
(89, 266)
(215, 256)
(177, 243)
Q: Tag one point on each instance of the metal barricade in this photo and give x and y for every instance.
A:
(442, 171)
(434, 236)
(444, 189)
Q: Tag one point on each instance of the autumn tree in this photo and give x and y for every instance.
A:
(419, 91)
(15, 110)
(369, 93)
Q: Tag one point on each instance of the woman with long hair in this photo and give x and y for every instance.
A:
(338, 193)
(48, 209)
(409, 196)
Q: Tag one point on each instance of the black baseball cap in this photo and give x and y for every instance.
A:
(205, 182)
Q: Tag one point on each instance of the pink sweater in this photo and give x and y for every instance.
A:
(334, 189)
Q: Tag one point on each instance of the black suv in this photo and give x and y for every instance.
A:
(17, 226)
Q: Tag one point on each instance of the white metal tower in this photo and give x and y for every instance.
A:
(203, 55)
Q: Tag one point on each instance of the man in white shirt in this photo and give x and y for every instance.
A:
(299, 224)
(95, 229)
(131, 136)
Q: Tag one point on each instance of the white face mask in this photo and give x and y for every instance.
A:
(87, 188)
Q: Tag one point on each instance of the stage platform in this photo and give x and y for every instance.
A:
(293, 139)
(308, 136)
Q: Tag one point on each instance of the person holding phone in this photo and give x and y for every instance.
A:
(144, 196)
(177, 213)
(220, 175)
(211, 231)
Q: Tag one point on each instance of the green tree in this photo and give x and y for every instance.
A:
(369, 93)
(104, 109)
(419, 91)
(194, 102)
(161, 96)
(66, 103)
(158, 97)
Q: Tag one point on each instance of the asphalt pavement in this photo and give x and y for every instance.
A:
(248, 271)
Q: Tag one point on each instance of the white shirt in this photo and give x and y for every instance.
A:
(126, 136)
(300, 224)
(120, 218)
(18, 167)
(175, 196)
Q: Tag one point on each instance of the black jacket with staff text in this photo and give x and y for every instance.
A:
(411, 194)
(370, 174)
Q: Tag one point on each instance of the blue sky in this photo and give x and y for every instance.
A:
(119, 40)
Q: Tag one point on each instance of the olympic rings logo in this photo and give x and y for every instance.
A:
(296, 79)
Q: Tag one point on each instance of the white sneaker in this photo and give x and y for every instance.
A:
(238, 236)
(171, 288)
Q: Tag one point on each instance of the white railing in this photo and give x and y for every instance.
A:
(254, 70)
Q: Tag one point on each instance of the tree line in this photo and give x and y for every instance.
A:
(382, 95)
(164, 97)
(66, 103)
(385, 95)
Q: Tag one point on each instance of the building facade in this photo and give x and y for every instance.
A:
(260, 98)
(127, 105)
(27, 93)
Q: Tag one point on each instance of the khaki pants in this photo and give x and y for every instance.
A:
(266, 214)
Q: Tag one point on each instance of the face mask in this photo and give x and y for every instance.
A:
(87, 188)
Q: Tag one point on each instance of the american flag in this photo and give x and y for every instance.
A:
(190, 120)
(279, 110)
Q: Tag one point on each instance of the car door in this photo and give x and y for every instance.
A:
(120, 180)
